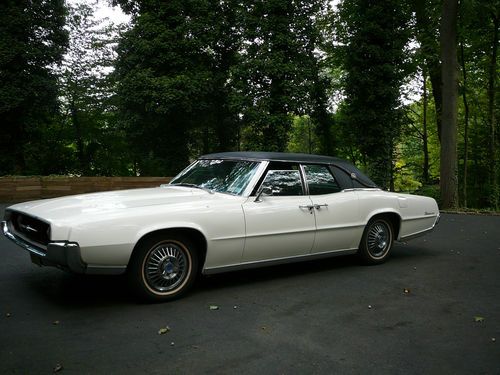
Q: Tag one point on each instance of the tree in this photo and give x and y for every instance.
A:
(278, 71)
(223, 38)
(215, 75)
(427, 17)
(371, 39)
(425, 133)
(32, 41)
(492, 89)
(466, 123)
(86, 91)
(303, 138)
(163, 81)
(478, 33)
(448, 39)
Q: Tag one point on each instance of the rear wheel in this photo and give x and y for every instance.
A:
(163, 267)
(377, 241)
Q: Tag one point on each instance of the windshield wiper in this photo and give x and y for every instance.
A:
(194, 186)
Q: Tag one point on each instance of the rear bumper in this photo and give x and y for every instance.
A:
(61, 254)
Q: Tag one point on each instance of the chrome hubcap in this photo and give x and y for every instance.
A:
(166, 267)
(378, 239)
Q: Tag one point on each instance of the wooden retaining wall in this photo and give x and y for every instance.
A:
(20, 188)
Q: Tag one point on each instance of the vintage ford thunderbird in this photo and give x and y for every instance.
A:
(225, 211)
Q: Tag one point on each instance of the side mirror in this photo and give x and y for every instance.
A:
(263, 191)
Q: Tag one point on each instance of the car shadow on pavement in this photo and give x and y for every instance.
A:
(401, 254)
(91, 290)
(270, 273)
(82, 290)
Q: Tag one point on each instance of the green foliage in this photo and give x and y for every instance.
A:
(202, 76)
(278, 72)
(205, 75)
(409, 151)
(303, 137)
(174, 81)
(430, 191)
(87, 107)
(372, 37)
(48, 151)
(478, 36)
(32, 40)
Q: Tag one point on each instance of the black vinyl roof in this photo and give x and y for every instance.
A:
(274, 156)
(297, 158)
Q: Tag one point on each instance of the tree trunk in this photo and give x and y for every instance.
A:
(426, 28)
(425, 170)
(320, 117)
(309, 136)
(437, 93)
(491, 116)
(448, 39)
(391, 171)
(206, 139)
(79, 138)
(466, 124)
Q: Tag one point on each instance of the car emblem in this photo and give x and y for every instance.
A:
(28, 228)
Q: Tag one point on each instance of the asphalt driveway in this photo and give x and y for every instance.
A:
(433, 308)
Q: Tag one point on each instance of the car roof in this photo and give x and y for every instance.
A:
(294, 157)
(274, 156)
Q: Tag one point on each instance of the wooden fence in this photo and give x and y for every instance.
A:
(20, 188)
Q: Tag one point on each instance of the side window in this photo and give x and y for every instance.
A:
(320, 180)
(283, 182)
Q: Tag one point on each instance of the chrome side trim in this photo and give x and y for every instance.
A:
(350, 226)
(255, 179)
(105, 270)
(279, 233)
(360, 189)
(421, 233)
(273, 262)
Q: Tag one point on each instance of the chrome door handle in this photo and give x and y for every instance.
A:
(318, 206)
(309, 207)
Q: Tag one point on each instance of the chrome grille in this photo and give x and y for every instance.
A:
(32, 229)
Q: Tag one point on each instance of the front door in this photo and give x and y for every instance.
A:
(280, 223)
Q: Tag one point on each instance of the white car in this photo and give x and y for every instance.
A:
(226, 211)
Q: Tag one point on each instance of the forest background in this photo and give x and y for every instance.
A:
(405, 89)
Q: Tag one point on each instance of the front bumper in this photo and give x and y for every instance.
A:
(61, 254)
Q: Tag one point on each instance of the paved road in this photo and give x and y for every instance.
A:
(296, 319)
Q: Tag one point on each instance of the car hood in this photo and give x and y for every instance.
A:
(109, 202)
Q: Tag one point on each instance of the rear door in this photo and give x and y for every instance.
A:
(336, 211)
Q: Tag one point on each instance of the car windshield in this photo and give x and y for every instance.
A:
(222, 176)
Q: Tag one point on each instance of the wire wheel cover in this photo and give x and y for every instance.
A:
(378, 239)
(166, 267)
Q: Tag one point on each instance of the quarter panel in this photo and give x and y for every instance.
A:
(373, 202)
(418, 214)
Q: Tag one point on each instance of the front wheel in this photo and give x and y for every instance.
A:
(163, 268)
(376, 242)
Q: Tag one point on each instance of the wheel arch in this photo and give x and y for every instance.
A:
(196, 236)
(393, 217)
